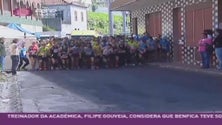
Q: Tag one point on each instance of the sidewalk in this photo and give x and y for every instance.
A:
(186, 67)
(9, 94)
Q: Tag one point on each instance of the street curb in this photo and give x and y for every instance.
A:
(187, 69)
(10, 96)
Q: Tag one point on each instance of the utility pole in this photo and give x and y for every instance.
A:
(111, 32)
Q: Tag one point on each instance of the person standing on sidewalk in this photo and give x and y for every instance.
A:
(205, 55)
(2, 54)
(218, 47)
(23, 58)
(14, 49)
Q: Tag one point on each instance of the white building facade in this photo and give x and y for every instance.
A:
(74, 17)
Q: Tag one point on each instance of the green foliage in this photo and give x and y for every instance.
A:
(47, 28)
(100, 23)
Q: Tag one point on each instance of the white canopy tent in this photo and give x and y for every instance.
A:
(11, 33)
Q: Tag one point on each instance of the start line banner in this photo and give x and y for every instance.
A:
(111, 119)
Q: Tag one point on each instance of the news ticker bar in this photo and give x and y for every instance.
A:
(111, 116)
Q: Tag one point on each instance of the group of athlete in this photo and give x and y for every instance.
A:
(93, 53)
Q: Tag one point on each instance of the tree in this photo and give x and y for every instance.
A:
(100, 22)
(94, 6)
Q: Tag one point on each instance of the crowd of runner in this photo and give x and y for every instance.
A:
(93, 53)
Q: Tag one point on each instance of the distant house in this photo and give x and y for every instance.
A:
(30, 22)
(86, 2)
(69, 15)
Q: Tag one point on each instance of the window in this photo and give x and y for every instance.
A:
(82, 16)
(76, 16)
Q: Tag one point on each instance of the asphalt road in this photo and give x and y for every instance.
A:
(140, 89)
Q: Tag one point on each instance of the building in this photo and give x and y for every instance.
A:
(182, 21)
(72, 15)
(104, 3)
(30, 23)
(86, 2)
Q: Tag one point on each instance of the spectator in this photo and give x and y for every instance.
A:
(205, 55)
(218, 47)
(2, 54)
(14, 56)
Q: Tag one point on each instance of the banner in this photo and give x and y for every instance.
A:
(22, 12)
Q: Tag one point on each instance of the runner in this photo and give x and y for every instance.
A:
(23, 58)
(32, 51)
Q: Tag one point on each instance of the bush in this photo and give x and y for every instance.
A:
(47, 28)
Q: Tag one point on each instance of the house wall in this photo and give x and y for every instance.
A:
(66, 12)
(69, 23)
(189, 53)
(79, 24)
